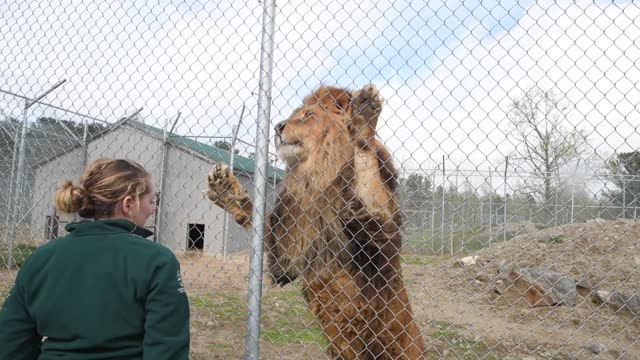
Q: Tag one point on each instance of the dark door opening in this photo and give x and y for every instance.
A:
(195, 239)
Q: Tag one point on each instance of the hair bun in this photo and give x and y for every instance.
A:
(70, 198)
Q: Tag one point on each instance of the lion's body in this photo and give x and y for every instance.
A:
(336, 226)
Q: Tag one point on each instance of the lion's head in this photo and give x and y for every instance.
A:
(324, 133)
(315, 129)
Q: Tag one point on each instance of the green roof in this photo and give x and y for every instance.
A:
(240, 163)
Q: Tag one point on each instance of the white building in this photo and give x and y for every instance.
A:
(184, 219)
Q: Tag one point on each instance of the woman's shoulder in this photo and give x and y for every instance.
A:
(44, 250)
(150, 247)
(40, 255)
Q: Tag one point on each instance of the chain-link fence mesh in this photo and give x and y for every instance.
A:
(512, 127)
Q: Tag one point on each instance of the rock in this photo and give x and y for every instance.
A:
(502, 268)
(584, 287)
(540, 287)
(466, 261)
(597, 348)
(618, 301)
(483, 278)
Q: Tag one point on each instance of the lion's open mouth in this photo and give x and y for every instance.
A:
(288, 150)
(282, 142)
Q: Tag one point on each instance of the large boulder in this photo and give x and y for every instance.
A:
(618, 301)
(538, 287)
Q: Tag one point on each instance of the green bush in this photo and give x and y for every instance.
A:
(20, 253)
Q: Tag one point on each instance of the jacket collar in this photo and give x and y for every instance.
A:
(108, 226)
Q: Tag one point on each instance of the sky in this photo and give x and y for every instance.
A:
(447, 69)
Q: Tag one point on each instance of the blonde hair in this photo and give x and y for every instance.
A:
(103, 183)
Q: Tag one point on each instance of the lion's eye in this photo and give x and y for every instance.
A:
(308, 114)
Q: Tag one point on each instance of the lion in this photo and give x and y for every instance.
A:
(336, 224)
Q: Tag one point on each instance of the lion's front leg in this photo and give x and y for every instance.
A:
(278, 242)
(226, 192)
(280, 269)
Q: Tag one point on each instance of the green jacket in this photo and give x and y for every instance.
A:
(101, 292)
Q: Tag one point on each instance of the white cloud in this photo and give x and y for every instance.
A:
(584, 50)
(202, 58)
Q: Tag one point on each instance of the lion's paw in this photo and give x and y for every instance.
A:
(218, 181)
(368, 102)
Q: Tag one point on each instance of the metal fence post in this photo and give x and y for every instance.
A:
(18, 155)
(433, 210)
(624, 197)
(490, 207)
(166, 133)
(442, 215)
(12, 182)
(262, 159)
(504, 190)
(20, 169)
(85, 146)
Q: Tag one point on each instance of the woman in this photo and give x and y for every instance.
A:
(103, 291)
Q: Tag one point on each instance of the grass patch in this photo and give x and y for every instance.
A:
(286, 320)
(558, 239)
(20, 253)
(422, 260)
(461, 242)
(223, 307)
(447, 337)
(287, 332)
(219, 325)
(285, 317)
(3, 295)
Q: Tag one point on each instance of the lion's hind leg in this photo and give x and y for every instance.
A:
(226, 192)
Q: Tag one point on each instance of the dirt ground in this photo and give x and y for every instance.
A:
(217, 289)
(461, 315)
(604, 254)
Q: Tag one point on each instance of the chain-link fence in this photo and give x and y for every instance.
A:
(513, 129)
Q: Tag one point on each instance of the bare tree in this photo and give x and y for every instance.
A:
(544, 140)
(625, 173)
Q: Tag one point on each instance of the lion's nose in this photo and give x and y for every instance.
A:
(280, 127)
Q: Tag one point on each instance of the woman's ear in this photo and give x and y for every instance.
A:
(127, 205)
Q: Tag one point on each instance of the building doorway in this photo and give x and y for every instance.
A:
(195, 237)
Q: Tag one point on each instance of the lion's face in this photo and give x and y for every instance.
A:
(316, 131)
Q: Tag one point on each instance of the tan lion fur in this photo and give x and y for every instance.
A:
(336, 225)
